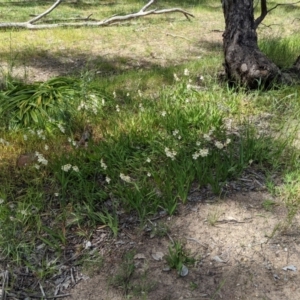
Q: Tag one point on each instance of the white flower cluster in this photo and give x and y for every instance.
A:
(68, 167)
(61, 128)
(1, 201)
(202, 152)
(41, 159)
(141, 107)
(163, 113)
(207, 136)
(90, 104)
(175, 133)
(40, 134)
(220, 145)
(107, 179)
(125, 178)
(170, 153)
(103, 164)
(71, 141)
(186, 72)
(176, 77)
(4, 142)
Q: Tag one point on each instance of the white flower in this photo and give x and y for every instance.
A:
(140, 93)
(88, 245)
(23, 212)
(219, 145)
(56, 194)
(4, 142)
(107, 179)
(198, 143)
(103, 165)
(179, 137)
(66, 167)
(250, 161)
(82, 105)
(149, 174)
(1, 201)
(163, 113)
(69, 140)
(127, 95)
(186, 72)
(203, 152)
(141, 107)
(103, 101)
(196, 155)
(61, 128)
(117, 108)
(176, 77)
(148, 160)
(37, 166)
(201, 78)
(39, 132)
(170, 153)
(228, 141)
(75, 169)
(125, 178)
(74, 143)
(114, 94)
(175, 132)
(46, 147)
(25, 137)
(207, 137)
(41, 159)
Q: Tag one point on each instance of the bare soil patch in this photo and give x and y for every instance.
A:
(240, 257)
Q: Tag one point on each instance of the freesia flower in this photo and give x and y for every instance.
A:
(75, 169)
(66, 168)
(125, 178)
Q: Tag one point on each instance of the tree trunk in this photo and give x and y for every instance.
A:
(245, 64)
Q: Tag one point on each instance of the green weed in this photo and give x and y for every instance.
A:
(177, 257)
(122, 278)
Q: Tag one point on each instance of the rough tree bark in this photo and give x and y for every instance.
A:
(245, 64)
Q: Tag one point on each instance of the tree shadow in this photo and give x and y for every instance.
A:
(41, 65)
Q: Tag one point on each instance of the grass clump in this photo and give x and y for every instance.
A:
(177, 258)
(122, 278)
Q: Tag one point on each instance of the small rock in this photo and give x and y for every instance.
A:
(158, 255)
(26, 160)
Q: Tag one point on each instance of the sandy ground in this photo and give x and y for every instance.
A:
(239, 254)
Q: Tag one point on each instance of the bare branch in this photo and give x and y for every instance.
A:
(264, 12)
(147, 5)
(114, 19)
(48, 11)
(280, 4)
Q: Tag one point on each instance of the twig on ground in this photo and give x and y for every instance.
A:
(178, 36)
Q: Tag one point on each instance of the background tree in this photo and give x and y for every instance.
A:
(244, 62)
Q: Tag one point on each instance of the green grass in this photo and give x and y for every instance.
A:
(153, 135)
(282, 50)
